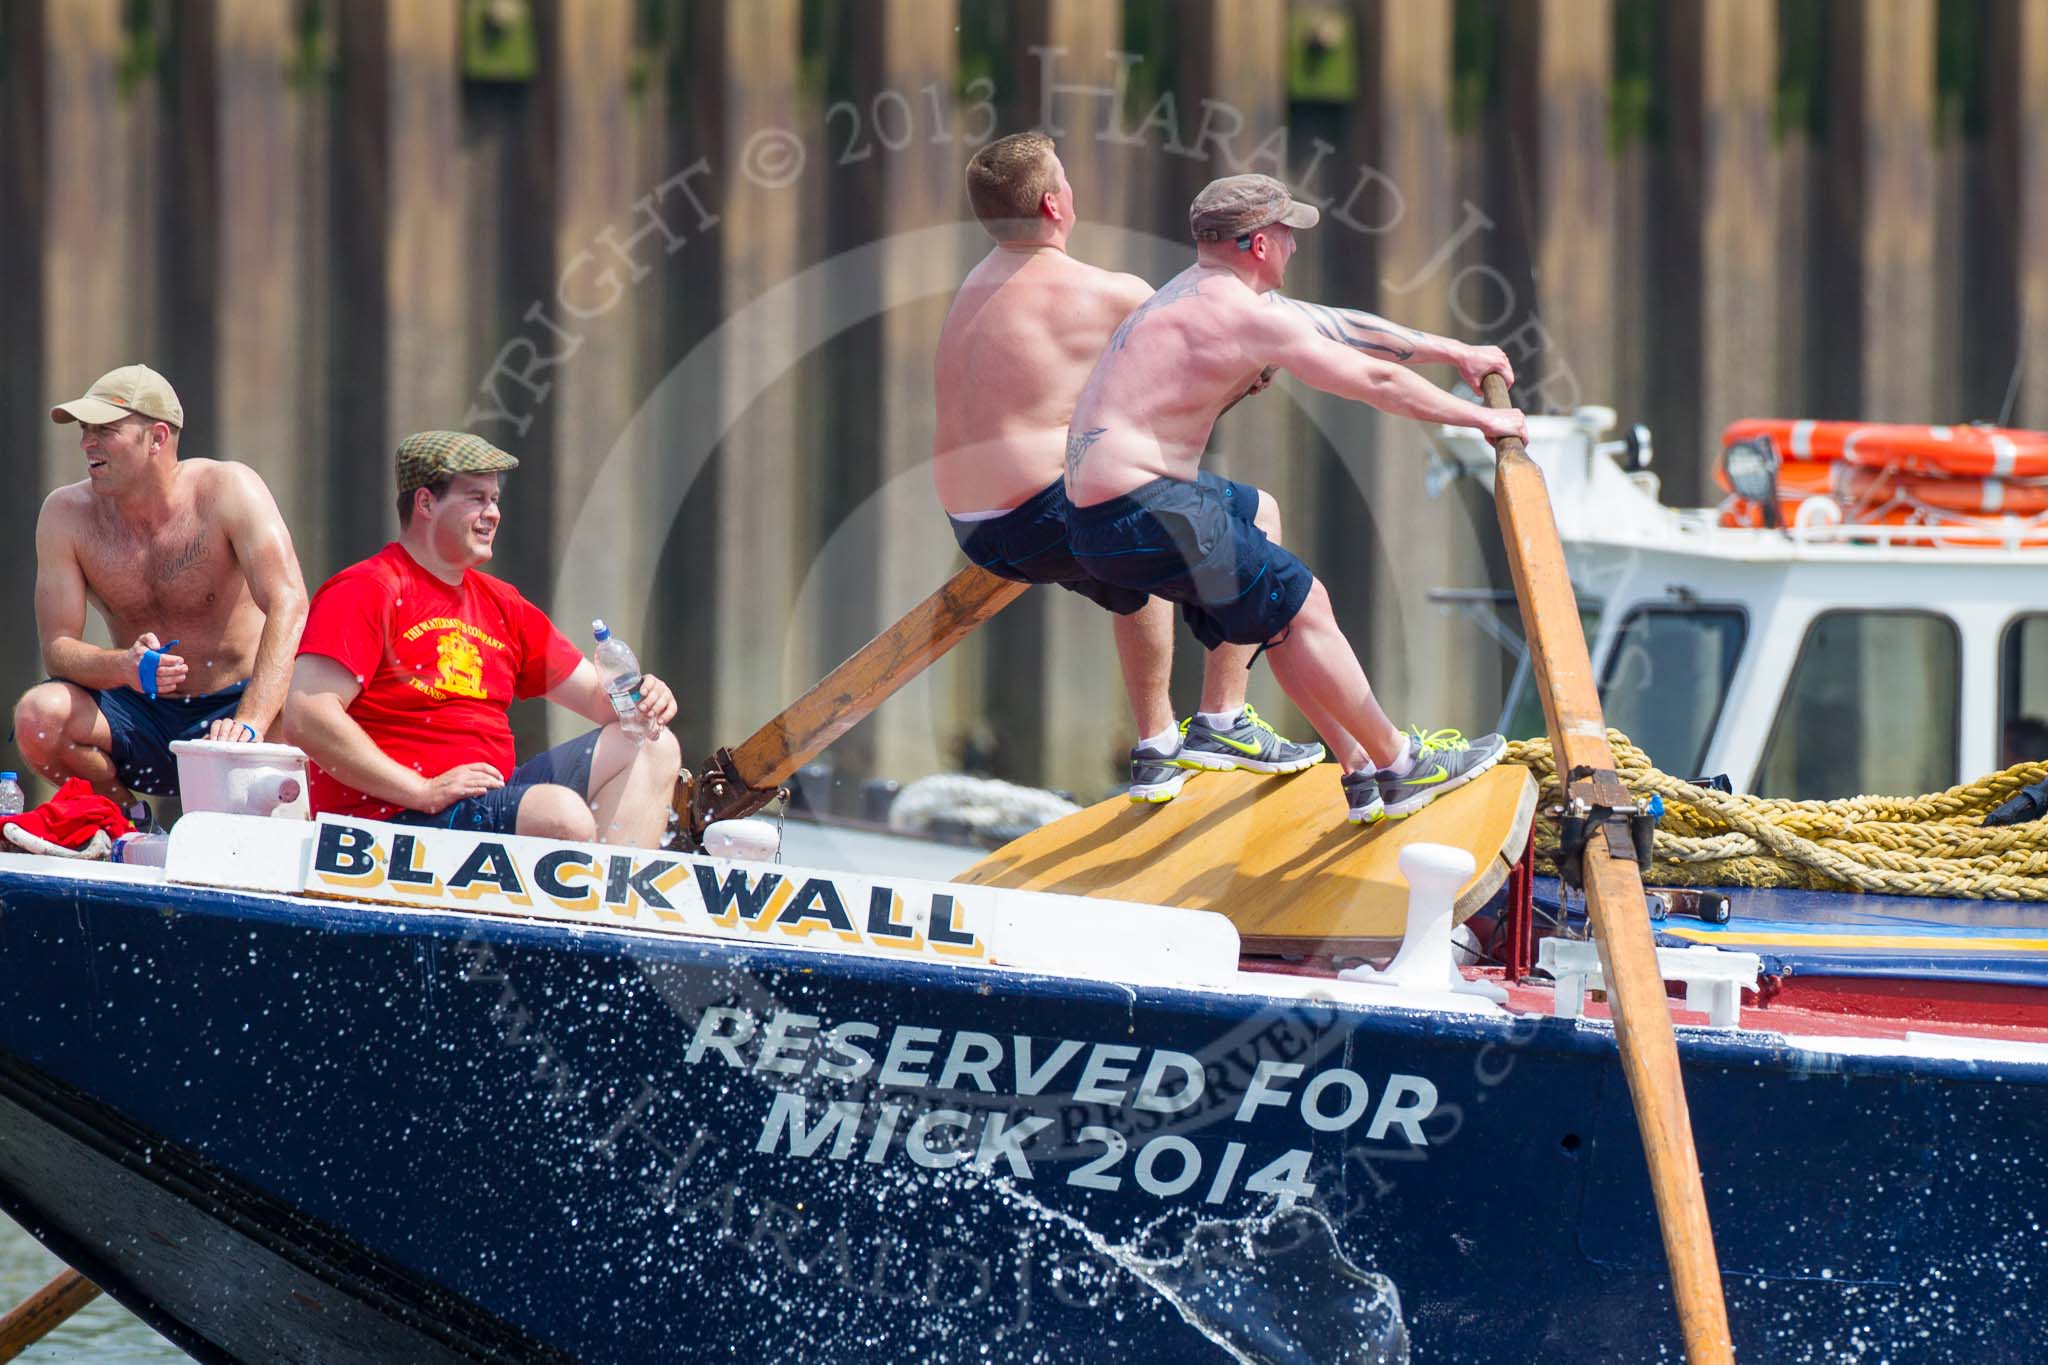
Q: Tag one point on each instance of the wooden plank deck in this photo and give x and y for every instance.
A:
(1272, 853)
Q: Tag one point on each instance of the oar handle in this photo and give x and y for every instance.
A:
(1495, 390)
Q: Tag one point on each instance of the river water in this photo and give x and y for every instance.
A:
(103, 1331)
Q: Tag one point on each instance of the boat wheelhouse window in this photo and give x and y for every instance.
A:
(1871, 707)
(1667, 678)
(2023, 691)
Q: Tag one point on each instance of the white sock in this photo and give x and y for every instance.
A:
(1167, 741)
(1220, 720)
(1405, 764)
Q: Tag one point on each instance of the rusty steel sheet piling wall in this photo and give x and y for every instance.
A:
(688, 258)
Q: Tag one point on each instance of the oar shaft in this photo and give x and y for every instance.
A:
(41, 1312)
(1614, 897)
(743, 779)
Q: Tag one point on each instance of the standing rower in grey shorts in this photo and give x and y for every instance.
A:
(1021, 337)
(1146, 518)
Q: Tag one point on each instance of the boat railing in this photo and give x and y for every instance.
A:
(2020, 537)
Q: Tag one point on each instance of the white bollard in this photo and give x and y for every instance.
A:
(1423, 971)
(1434, 873)
(754, 841)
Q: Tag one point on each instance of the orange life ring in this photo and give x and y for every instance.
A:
(1976, 497)
(1804, 440)
(1969, 452)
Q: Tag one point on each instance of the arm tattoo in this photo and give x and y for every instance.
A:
(1177, 288)
(1360, 331)
(1078, 443)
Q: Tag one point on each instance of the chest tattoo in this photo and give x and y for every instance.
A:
(170, 566)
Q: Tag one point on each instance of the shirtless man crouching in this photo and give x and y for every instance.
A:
(192, 569)
(1147, 518)
(1020, 339)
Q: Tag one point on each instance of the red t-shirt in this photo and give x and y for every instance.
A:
(440, 666)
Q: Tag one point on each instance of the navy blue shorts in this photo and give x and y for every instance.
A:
(143, 731)
(497, 812)
(1194, 542)
(1028, 544)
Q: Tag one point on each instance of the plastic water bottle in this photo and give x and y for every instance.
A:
(12, 802)
(143, 850)
(619, 671)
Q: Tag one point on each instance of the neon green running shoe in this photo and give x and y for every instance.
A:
(1250, 744)
(1444, 761)
(1155, 777)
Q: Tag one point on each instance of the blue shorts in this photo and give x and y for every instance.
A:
(1028, 544)
(144, 729)
(1194, 542)
(497, 812)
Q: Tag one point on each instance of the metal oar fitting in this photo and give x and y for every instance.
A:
(1595, 798)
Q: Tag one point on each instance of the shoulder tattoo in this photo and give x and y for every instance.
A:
(1177, 288)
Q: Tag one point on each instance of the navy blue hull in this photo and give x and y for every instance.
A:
(513, 1141)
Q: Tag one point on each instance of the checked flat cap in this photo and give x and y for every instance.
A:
(426, 456)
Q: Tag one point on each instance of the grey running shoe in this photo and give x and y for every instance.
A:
(1445, 761)
(1362, 796)
(1250, 744)
(1155, 776)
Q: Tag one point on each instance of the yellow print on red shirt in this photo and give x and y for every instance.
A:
(462, 667)
(458, 662)
(484, 638)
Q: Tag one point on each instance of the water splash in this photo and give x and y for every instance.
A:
(1270, 1289)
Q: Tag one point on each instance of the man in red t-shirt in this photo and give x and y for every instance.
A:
(411, 659)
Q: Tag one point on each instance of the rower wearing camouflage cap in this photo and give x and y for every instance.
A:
(1146, 516)
(412, 659)
(1019, 340)
(192, 569)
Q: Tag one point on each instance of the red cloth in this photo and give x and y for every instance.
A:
(440, 665)
(71, 817)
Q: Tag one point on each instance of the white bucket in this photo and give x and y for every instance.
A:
(242, 779)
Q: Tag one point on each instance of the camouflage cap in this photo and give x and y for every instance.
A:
(1229, 208)
(427, 456)
(115, 394)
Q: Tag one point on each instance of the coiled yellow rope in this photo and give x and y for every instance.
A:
(1903, 845)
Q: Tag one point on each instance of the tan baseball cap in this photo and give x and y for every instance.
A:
(427, 456)
(115, 394)
(1229, 208)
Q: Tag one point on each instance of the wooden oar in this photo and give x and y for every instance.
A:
(37, 1315)
(1614, 891)
(741, 780)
